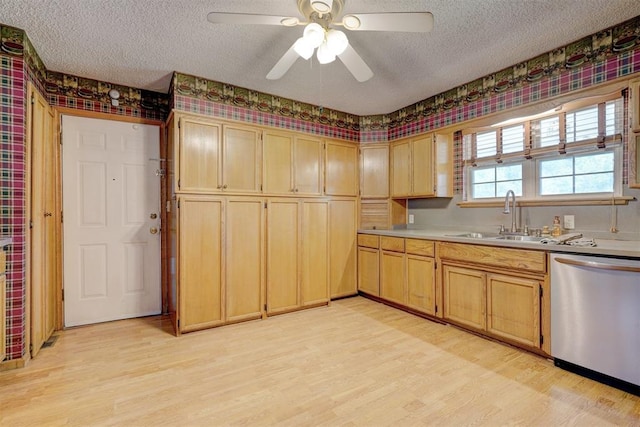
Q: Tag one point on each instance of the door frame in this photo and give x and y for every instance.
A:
(59, 112)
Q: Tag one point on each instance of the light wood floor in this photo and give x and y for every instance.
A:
(356, 362)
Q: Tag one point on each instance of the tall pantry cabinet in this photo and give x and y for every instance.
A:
(256, 227)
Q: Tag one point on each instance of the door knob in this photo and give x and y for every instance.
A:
(153, 216)
(153, 230)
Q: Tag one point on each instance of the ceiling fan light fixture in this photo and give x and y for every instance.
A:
(351, 22)
(303, 48)
(290, 21)
(314, 34)
(322, 6)
(325, 56)
(337, 41)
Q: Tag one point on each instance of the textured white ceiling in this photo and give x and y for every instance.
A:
(139, 43)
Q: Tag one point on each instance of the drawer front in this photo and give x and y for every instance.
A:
(3, 262)
(519, 259)
(394, 244)
(369, 241)
(420, 247)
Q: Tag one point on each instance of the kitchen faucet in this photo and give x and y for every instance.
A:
(514, 227)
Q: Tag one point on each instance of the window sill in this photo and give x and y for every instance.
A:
(623, 200)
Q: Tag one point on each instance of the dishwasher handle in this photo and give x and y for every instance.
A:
(597, 265)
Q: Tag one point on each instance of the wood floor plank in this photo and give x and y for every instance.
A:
(355, 362)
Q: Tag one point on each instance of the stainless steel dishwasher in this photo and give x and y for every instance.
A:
(595, 318)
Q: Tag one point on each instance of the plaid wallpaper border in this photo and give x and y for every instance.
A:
(190, 104)
(12, 196)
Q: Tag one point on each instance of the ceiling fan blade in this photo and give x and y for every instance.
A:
(412, 22)
(283, 65)
(251, 19)
(355, 64)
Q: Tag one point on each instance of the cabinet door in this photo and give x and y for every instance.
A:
(3, 318)
(314, 252)
(200, 265)
(341, 169)
(464, 296)
(422, 166)
(401, 169)
(244, 258)
(513, 308)
(368, 271)
(199, 156)
(242, 159)
(307, 166)
(421, 285)
(392, 277)
(342, 247)
(278, 163)
(374, 171)
(282, 255)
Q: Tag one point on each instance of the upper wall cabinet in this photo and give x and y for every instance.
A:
(214, 157)
(422, 167)
(292, 164)
(374, 171)
(341, 168)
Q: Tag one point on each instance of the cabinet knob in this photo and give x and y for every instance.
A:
(224, 186)
(47, 214)
(153, 230)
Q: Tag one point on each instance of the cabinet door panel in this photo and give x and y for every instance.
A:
(401, 170)
(315, 256)
(341, 169)
(242, 159)
(374, 171)
(199, 156)
(464, 296)
(308, 166)
(422, 167)
(278, 163)
(513, 308)
(421, 288)
(282, 256)
(244, 258)
(392, 277)
(342, 247)
(369, 271)
(200, 263)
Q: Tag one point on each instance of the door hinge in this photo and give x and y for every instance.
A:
(178, 204)
(179, 122)
(30, 224)
(260, 187)
(265, 205)
(63, 295)
(178, 323)
(265, 307)
(61, 217)
(435, 265)
(436, 308)
(541, 339)
(60, 137)
(541, 291)
(33, 98)
(178, 183)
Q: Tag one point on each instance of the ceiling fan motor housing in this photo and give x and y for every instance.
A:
(304, 6)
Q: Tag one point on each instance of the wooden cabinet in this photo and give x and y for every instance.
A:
(464, 296)
(297, 254)
(292, 164)
(412, 167)
(214, 157)
(422, 166)
(341, 169)
(634, 160)
(342, 247)
(220, 261)
(398, 270)
(368, 264)
(200, 263)
(244, 258)
(374, 171)
(3, 304)
(496, 291)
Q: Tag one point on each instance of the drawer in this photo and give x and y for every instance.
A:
(394, 244)
(3, 262)
(420, 247)
(368, 240)
(518, 259)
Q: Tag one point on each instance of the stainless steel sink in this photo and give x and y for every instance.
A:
(475, 235)
(519, 238)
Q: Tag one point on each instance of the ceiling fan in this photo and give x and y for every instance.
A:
(319, 32)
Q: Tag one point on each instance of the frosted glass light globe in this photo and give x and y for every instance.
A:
(314, 34)
(337, 41)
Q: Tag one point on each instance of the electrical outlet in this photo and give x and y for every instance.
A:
(569, 222)
(411, 218)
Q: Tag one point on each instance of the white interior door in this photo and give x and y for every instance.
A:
(111, 208)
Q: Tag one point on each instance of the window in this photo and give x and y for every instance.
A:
(572, 151)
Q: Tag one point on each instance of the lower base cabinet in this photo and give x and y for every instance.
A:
(464, 296)
(421, 284)
(368, 271)
(392, 277)
(343, 227)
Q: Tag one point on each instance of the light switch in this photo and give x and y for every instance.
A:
(569, 222)
(411, 218)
